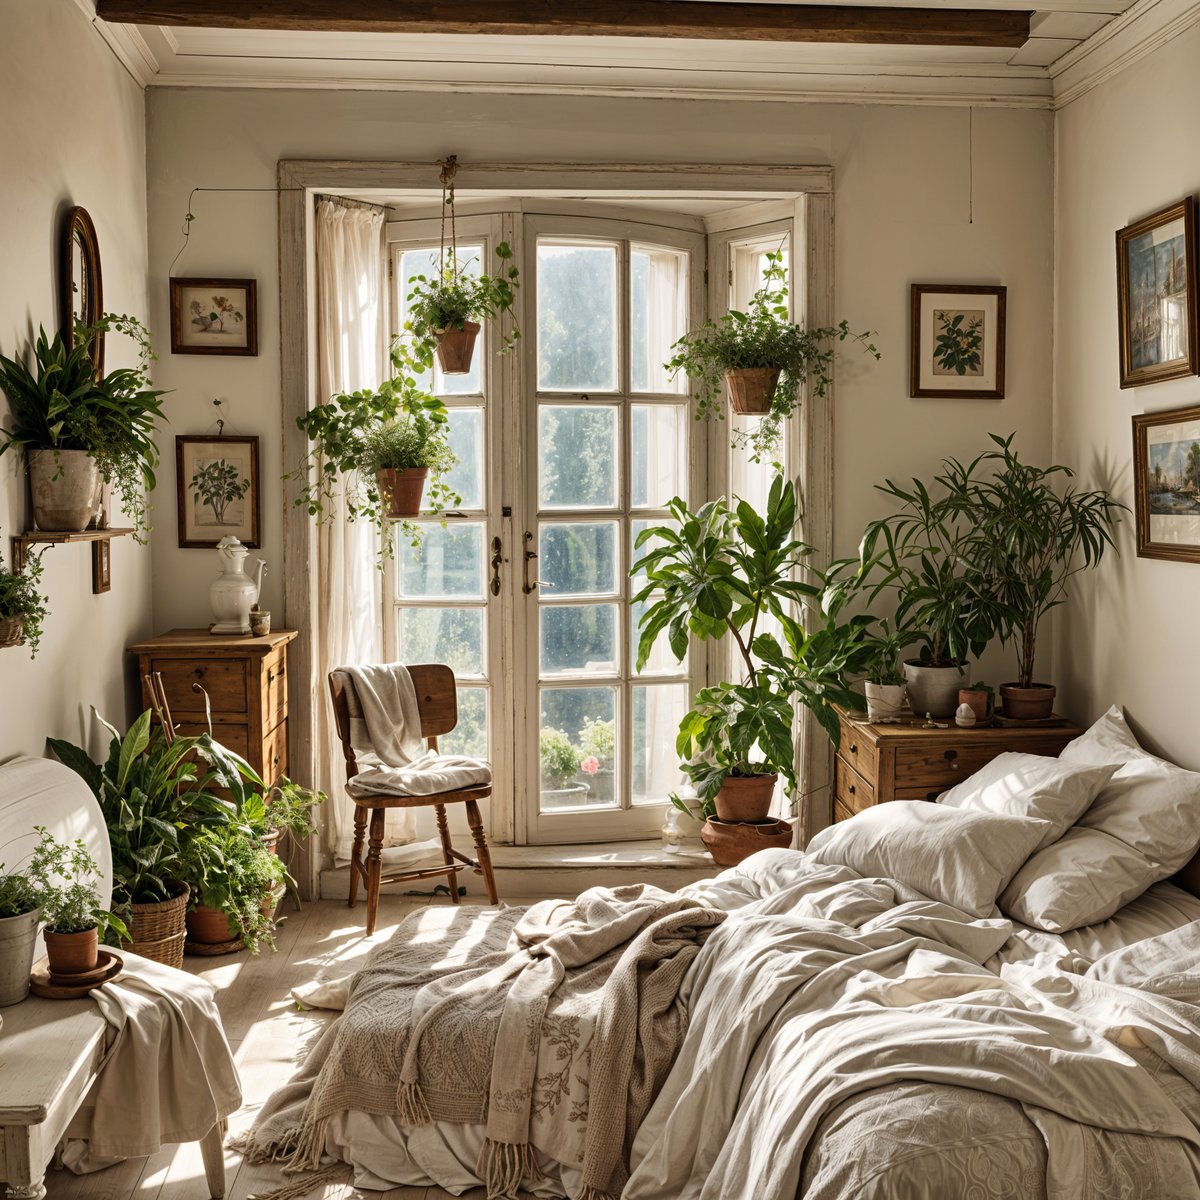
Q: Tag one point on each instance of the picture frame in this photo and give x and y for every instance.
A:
(958, 340)
(214, 316)
(1158, 331)
(101, 566)
(1166, 484)
(217, 483)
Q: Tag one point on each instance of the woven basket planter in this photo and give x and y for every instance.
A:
(12, 631)
(158, 930)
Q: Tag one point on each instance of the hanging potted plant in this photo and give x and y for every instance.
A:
(80, 432)
(402, 454)
(762, 357)
(19, 918)
(22, 606)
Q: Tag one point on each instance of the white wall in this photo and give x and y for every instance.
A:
(1125, 149)
(903, 211)
(73, 133)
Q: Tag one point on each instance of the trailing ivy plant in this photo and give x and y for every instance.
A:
(763, 336)
(453, 296)
(21, 596)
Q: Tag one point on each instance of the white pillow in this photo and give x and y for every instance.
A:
(959, 857)
(1110, 740)
(1031, 785)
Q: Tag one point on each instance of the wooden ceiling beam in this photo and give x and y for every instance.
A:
(630, 18)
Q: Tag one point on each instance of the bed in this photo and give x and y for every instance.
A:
(864, 1019)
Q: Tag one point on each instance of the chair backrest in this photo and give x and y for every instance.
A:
(437, 702)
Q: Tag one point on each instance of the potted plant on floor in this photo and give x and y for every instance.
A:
(79, 431)
(762, 356)
(726, 571)
(19, 919)
(560, 760)
(22, 606)
(1028, 539)
(66, 882)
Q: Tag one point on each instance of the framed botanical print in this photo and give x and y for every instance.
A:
(1166, 484)
(1156, 296)
(214, 316)
(958, 340)
(217, 480)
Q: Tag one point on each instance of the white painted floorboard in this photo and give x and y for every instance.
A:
(270, 1038)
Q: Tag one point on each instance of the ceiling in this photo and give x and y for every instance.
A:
(1062, 33)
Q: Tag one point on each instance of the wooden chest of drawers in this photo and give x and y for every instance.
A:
(876, 763)
(245, 680)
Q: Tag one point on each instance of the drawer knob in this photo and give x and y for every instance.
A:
(270, 676)
(853, 747)
(850, 789)
(951, 757)
(199, 672)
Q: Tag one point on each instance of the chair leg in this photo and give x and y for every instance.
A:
(475, 821)
(447, 857)
(360, 831)
(374, 865)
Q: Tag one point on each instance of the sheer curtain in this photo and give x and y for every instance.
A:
(351, 355)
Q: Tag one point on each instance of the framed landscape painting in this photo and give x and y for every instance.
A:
(958, 340)
(217, 478)
(214, 316)
(1156, 296)
(1166, 482)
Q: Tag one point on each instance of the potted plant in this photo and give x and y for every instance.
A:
(1028, 539)
(884, 686)
(79, 431)
(762, 356)
(560, 761)
(598, 755)
(724, 571)
(395, 427)
(449, 307)
(66, 881)
(22, 606)
(980, 699)
(19, 918)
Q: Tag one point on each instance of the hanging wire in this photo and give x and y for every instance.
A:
(449, 168)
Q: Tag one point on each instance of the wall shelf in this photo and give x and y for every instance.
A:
(99, 538)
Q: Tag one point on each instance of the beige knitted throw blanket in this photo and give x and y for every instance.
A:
(554, 1026)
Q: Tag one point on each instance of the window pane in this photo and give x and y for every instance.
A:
(453, 636)
(577, 456)
(658, 307)
(424, 261)
(661, 660)
(576, 722)
(466, 440)
(577, 317)
(470, 735)
(658, 470)
(579, 559)
(579, 638)
(657, 712)
(448, 562)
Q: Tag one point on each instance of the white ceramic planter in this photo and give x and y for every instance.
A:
(934, 690)
(65, 485)
(884, 700)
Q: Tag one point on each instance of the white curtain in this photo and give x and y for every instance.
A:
(351, 355)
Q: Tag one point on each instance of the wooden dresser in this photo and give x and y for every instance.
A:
(246, 682)
(876, 763)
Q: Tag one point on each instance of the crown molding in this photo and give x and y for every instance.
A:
(127, 44)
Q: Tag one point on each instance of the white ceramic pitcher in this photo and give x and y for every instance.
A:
(233, 593)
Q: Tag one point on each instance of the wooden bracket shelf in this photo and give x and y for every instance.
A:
(99, 538)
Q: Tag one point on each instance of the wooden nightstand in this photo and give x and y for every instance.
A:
(876, 763)
(246, 682)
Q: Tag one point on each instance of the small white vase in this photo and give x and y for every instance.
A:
(884, 701)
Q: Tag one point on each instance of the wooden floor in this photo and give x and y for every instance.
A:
(269, 1037)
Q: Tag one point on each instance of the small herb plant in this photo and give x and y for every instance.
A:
(884, 649)
(20, 597)
(454, 296)
(59, 404)
(219, 484)
(65, 880)
(560, 758)
(764, 336)
(17, 895)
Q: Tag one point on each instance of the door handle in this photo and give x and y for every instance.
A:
(497, 559)
(530, 556)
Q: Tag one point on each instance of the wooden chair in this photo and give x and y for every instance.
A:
(437, 702)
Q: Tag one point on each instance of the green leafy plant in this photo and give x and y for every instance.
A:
(763, 335)
(884, 653)
(59, 404)
(598, 740)
(17, 895)
(724, 571)
(66, 883)
(454, 295)
(560, 758)
(21, 596)
(1030, 533)
(959, 344)
(219, 484)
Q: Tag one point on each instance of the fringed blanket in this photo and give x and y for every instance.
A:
(554, 1026)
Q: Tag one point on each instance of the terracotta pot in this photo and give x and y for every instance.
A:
(977, 701)
(456, 348)
(209, 926)
(934, 690)
(884, 700)
(730, 843)
(65, 485)
(745, 797)
(1034, 703)
(72, 953)
(751, 389)
(401, 491)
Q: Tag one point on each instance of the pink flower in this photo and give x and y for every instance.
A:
(590, 765)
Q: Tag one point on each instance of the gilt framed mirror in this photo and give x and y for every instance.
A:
(81, 290)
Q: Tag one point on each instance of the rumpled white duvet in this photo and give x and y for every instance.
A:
(849, 1038)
